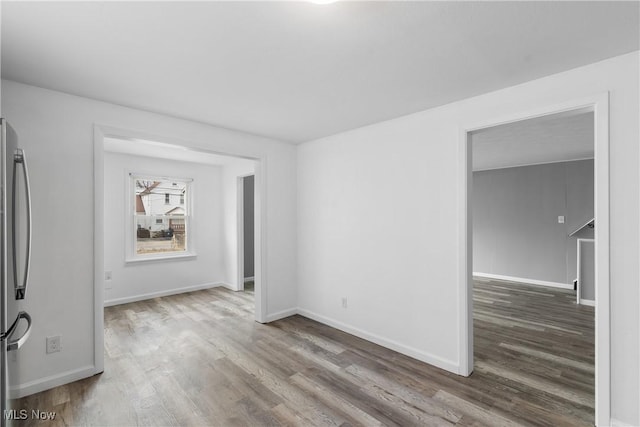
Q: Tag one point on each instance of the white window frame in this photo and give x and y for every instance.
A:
(131, 255)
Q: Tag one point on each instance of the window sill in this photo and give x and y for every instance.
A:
(159, 258)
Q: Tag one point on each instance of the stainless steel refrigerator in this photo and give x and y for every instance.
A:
(15, 256)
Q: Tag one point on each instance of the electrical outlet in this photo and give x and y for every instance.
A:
(561, 219)
(107, 280)
(344, 302)
(54, 344)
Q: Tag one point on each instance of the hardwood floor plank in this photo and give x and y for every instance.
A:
(543, 355)
(200, 359)
(356, 415)
(536, 383)
(407, 395)
(473, 411)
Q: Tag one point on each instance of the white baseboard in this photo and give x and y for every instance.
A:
(52, 381)
(248, 279)
(384, 342)
(588, 302)
(281, 314)
(142, 297)
(618, 423)
(225, 285)
(523, 280)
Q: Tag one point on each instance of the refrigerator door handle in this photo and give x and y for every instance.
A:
(20, 158)
(14, 344)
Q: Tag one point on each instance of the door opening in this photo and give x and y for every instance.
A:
(246, 232)
(598, 106)
(212, 222)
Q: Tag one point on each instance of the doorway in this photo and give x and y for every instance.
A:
(234, 165)
(246, 233)
(599, 106)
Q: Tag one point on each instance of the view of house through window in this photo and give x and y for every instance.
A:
(160, 218)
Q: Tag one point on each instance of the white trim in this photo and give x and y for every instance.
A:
(225, 285)
(618, 423)
(98, 249)
(183, 256)
(525, 281)
(240, 233)
(588, 302)
(130, 254)
(282, 314)
(420, 355)
(579, 298)
(149, 176)
(602, 274)
(175, 291)
(578, 269)
(46, 383)
(600, 105)
(260, 239)
(261, 284)
(465, 258)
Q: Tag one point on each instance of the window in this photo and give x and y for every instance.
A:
(160, 228)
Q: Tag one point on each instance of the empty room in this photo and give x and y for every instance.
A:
(320, 213)
(533, 213)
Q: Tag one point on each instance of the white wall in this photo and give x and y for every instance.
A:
(230, 174)
(378, 221)
(139, 280)
(58, 131)
(362, 231)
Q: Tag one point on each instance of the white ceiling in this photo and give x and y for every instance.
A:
(161, 150)
(297, 71)
(548, 139)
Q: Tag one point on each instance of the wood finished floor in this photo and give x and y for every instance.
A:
(200, 359)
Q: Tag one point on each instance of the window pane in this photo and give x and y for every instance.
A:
(160, 215)
(155, 196)
(160, 234)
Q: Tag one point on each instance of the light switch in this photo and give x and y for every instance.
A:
(561, 219)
